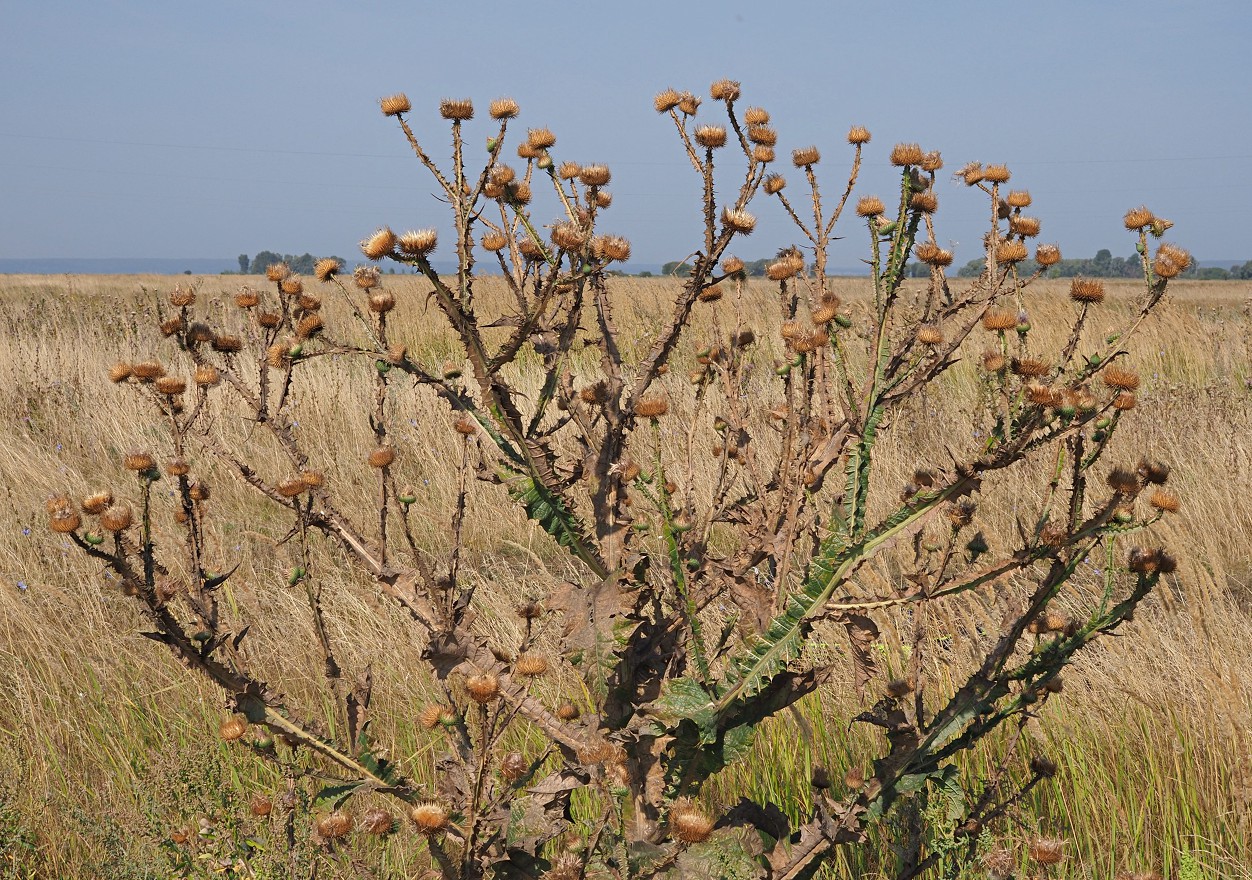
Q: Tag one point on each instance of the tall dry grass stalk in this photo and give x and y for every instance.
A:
(532, 739)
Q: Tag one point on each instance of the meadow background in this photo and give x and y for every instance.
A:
(107, 746)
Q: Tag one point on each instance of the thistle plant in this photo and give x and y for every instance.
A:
(718, 498)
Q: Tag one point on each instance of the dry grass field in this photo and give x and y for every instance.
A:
(107, 746)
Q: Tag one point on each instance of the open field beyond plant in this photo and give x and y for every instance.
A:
(109, 748)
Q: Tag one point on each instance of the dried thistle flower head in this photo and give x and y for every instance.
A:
(611, 247)
(1120, 379)
(568, 712)
(418, 243)
(62, 517)
(335, 825)
(381, 456)
(382, 301)
(432, 715)
(514, 766)
(531, 665)
(567, 236)
(738, 220)
(711, 136)
(261, 805)
(932, 161)
(233, 728)
(1138, 218)
(763, 154)
(756, 116)
(291, 488)
(181, 297)
(689, 823)
(309, 326)
(858, 134)
(170, 385)
(1164, 501)
(907, 154)
(483, 688)
(870, 206)
(380, 244)
(457, 109)
(1011, 251)
(366, 277)
(999, 319)
(971, 173)
(710, 294)
(291, 286)
(394, 105)
(269, 320)
(119, 372)
(1086, 290)
(763, 135)
(494, 241)
(1018, 198)
(926, 202)
(312, 479)
(732, 265)
(147, 371)
(1047, 850)
(540, 138)
(430, 818)
(1179, 256)
(378, 822)
(1047, 255)
(933, 255)
(929, 334)
(806, 157)
(651, 407)
(138, 461)
(725, 90)
(688, 104)
(996, 173)
(503, 108)
(116, 518)
(1027, 227)
(247, 298)
(666, 101)
(96, 502)
(277, 272)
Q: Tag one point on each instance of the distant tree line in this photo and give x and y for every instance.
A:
(1102, 265)
(301, 265)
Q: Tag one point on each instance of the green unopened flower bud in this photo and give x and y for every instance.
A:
(844, 321)
(492, 143)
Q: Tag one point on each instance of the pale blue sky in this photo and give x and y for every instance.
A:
(208, 129)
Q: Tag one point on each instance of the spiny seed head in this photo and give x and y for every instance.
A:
(725, 90)
(291, 286)
(431, 715)
(805, 157)
(774, 184)
(651, 407)
(1156, 472)
(494, 241)
(781, 270)
(996, 173)
(170, 385)
(96, 502)
(312, 479)
(277, 272)
(465, 426)
(857, 135)
(569, 170)
(595, 175)
(334, 825)
(269, 320)
(926, 202)
(739, 221)
(226, 343)
(1031, 368)
(233, 727)
(381, 457)
(63, 518)
(116, 517)
(380, 244)
(1177, 255)
(1027, 227)
(732, 265)
(518, 192)
(870, 206)
(933, 255)
(531, 665)
(603, 199)
(568, 237)
(261, 806)
(999, 319)
(1086, 290)
(503, 108)
(1164, 501)
(568, 712)
(611, 247)
(823, 314)
(566, 866)
(932, 161)
(246, 298)
(382, 301)
(1039, 395)
(119, 372)
(1011, 252)
(1164, 267)
(763, 154)
(366, 277)
(756, 116)
(710, 294)
(514, 766)
(309, 326)
(182, 296)
(711, 136)
(1018, 198)
(763, 135)
(278, 354)
(540, 138)
(394, 105)
(1138, 218)
(1047, 255)
(146, 371)
(688, 104)
(170, 326)
(1122, 380)
(419, 242)
(139, 461)
(929, 334)
(1047, 850)
(1123, 481)
(291, 488)
(666, 101)
(483, 688)
(326, 268)
(199, 492)
(457, 109)
(907, 154)
(430, 818)
(377, 822)
(689, 823)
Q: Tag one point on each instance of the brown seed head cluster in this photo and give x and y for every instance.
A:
(380, 244)
(1047, 255)
(996, 173)
(929, 334)
(926, 202)
(382, 301)
(1027, 227)
(1086, 290)
(907, 154)
(711, 136)
(335, 825)
(651, 407)
(932, 255)
(1047, 850)
(666, 101)
(689, 104)
(540, 138)
(805, 157)
(858, 135)
(381, 456)
(869, 206)
(378, 822)
(418, 243)
(116, 518)
(689, 823)
(483, 688)
(611, 247)
(531, 665)
(1011, 251)
(737, 220)
(1138, 218)
(725, 90)
(568, 237)
(457, 109)
(503, 108)
(1143, 561)
(756, 116)
(430, 818)
(595, 175)
(1120, 379)
(999, 320)
(233, 728)
(366, 277)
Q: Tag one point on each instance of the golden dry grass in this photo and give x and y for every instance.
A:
(1154, 731)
